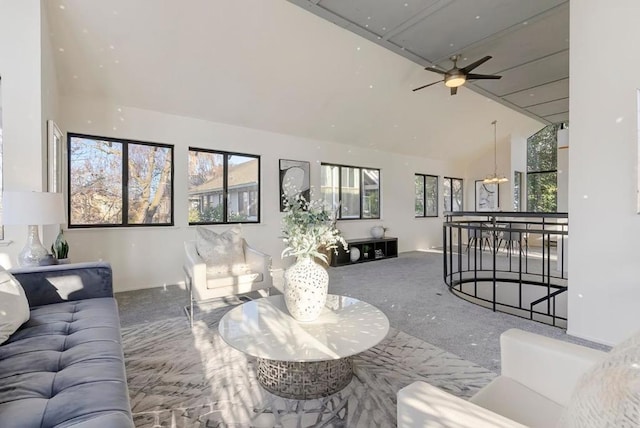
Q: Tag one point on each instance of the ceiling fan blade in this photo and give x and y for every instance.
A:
(435, 70)
(426, 86)
(479, 62)
(454, 90)
(482, 76)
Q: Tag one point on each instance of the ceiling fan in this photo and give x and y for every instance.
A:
(456, 77)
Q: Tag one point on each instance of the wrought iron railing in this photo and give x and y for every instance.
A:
(509, 262)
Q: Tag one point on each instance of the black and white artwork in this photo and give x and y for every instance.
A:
(294, 179)
(487, 196)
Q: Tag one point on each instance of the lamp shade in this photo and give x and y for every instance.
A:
(32, 208)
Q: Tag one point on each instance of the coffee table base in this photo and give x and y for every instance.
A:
(304, 380)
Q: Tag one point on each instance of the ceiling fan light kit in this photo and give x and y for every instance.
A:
(495, 179)
(456, 77)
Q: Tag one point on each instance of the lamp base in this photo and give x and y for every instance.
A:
(33, 252)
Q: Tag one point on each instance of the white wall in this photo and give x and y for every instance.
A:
(147, 257)
(21, 74)
(604, 284)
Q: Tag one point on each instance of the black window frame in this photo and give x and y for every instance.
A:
(424, 195)
(225, 184)
(450, 179)
(125, 181)
(361, 190)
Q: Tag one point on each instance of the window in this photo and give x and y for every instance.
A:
(223, 187)
(452, 190)
(542, 165)
(356, 190)
(517, 191)
(426, 204)
(114, 182)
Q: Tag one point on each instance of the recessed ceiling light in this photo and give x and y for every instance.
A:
(525, 22)
(61, 49)
(368, 17)
(532, 95)
(406, 4)
(477, 16)
(112, 47)
(117, 61)
(61, 6)
(358, 48)
(451, 44)
(367, 26)
(370, 86)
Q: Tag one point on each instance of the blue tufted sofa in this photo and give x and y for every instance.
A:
(65, 367)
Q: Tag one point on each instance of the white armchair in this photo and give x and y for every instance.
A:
(538, 377)
(203, 286)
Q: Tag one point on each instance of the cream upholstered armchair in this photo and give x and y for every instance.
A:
(221, 265)
(545, 382)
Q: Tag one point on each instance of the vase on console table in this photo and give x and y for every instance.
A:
(305, 289)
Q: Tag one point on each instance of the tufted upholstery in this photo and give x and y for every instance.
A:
(65, 367)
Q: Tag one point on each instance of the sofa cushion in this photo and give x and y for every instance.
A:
(64, 367)
(608, 395)
(222, 253)
(532, 409)
(14, 307)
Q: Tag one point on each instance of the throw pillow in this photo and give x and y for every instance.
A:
(222, 252)
(608, 395)
(14, 307)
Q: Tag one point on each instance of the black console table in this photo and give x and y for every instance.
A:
(370, 249)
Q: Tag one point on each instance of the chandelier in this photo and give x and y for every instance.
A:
(494, 178)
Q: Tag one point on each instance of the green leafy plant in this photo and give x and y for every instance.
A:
(60, 248)
(308, 228)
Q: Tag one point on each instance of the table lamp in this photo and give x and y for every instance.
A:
(32, 209)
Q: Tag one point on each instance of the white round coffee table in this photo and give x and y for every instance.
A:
(304, 360)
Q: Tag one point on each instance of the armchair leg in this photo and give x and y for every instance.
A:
(188, 309)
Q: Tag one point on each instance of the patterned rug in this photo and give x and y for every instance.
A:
(191, 378)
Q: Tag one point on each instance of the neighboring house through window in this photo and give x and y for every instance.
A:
(356, 190)
(223, 187)
(426, 200)
(452, 189)
(115, 182)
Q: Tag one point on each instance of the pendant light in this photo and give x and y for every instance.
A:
(494, 179)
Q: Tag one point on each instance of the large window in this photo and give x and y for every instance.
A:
(356, 190)
(223, 187)
(426, 202)
(542, 165)
(453, 194)
(114, 182)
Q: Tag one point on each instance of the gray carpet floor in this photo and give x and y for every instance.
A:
(408, 289)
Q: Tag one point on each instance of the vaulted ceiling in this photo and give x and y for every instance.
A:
(528, 40)
(272, 65)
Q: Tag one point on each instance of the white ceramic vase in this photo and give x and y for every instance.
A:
(305, 289)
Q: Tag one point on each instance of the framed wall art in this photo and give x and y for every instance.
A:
(294, 179)
(487, 196)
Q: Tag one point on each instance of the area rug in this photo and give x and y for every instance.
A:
(181, 377)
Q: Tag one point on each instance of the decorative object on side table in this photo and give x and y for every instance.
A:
(33, 209)
(60, 249)
(378, 231)
(307, 227)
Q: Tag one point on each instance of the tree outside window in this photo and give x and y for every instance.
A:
(452, 189)
(426, 199)
(114, 182)
(542, 165)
